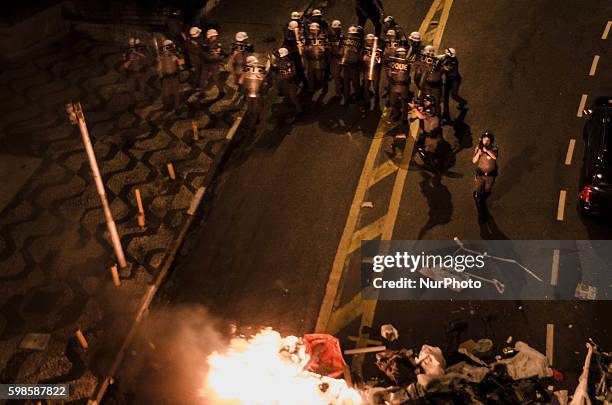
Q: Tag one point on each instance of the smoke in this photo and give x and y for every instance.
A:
(167, 363)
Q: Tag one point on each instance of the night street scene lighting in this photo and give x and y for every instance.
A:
(364, 202)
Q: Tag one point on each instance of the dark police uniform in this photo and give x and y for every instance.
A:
(213, 55)
(349, 62)
(484, 178)
(287, 79)
(398, 75)
(371, 80)
(238, 54)
(169, 65)
(253, 84)
(135, 63)
(317, 53)
(452, 82)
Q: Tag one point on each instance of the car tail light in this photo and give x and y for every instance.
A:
(585, 194)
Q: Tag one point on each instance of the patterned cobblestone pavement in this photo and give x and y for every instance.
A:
(54, 249)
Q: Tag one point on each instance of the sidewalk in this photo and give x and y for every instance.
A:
(54, 250)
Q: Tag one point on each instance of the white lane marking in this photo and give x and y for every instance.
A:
(583, 101)
(554, 273)
(561, 207)
(594, 65)
(550, 337)
(570, 152)
(606, 30)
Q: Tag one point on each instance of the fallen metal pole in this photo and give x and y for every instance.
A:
(372, 349)
(75, 113)
(150, 294)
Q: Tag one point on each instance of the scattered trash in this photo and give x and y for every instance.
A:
(398, 365)
(35, 341)
(482, 346)
(431, 360)
(527, 363)
(585, 292)
(367, 204)
(325, 355)
(389, 332)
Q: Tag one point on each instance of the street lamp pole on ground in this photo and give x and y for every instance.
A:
(75, 113)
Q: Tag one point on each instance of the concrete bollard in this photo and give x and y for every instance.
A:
(141, 216)
(81, 338)
(171, 173)
(194, 127)
(115, 274)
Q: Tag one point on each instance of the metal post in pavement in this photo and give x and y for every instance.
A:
(75, 114)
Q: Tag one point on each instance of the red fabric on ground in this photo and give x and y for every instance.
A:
(325, 355)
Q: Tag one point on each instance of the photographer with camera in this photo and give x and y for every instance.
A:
(485, 159)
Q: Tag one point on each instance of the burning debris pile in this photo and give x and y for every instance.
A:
(268, 369)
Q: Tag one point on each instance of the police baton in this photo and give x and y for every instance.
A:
(159, 73)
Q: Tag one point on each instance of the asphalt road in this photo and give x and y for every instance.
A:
(264, 251)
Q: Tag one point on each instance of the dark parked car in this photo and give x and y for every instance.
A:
(596, 176)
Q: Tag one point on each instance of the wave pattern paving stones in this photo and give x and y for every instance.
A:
(52, 232)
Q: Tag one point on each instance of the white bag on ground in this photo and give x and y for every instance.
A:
(527, 363)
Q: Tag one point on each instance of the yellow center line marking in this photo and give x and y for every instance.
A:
(570, 152)
(554, 272)
(561, 206)
(368, 232)
(428, 17)
(606, 30)
(369, 306)
(383, 171)
(335, 276)
(594, 65)
(344, 315)
(550, 338)
(440, 30)
(583, 101)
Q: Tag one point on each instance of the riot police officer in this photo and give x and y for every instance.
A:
(317, 50)
(397, 69)
(335, 56)
(286, 77)
(425, 109)
(485, 160)
(369, 10)
(239, 51)
(253, 84)
(317, 17)
(414, 41)
(294, 42)
(351, 57)
(213, 55)
(297, 17)
(430, 75)
(135, 61)
(168, 68)
(371, 61)
(193, 48)
(389, 23)
(452, 80)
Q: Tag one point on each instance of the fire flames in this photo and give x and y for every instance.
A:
(269, 370)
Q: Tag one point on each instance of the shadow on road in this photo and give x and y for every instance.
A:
(489, 229)
(439, 200)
